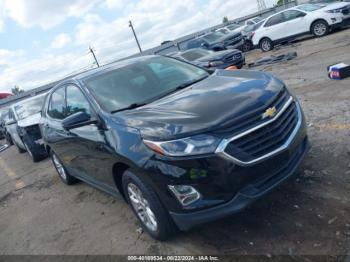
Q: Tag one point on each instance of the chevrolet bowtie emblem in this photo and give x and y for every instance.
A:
(270, 112)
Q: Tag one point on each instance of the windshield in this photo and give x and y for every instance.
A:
(29, 107)
(309, 7)
(213, 37)
(144, 80)
(195, 54)
(4, 115)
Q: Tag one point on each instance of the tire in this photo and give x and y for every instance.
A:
(247, 46)
(19, 149)
(61, 171)
(266, 44)
(33, 150)
(320, 28)
(8, 139)
(164, 227)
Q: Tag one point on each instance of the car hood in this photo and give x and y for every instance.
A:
(203, 106)
(30, 120)
(335, 5)
(233, 35)
(218, 55)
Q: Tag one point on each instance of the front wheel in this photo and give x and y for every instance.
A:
(62, 172)
(320, 28)
(266, 45)
(8, 139)
(146, 205)
(32, 150)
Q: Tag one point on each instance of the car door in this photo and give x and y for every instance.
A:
(89, 155)
(275, 27)
(296, 22)
(52, 128)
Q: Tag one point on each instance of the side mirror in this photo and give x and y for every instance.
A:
(10, 122)
(78, 120)
(204, 44)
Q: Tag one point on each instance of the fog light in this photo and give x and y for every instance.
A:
(185, 194)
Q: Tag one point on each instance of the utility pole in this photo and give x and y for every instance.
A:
(93, 54)
(133, 31)
(261, 5)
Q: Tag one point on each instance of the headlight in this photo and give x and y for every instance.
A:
(190, 146)
(333, 11)
(215, 63)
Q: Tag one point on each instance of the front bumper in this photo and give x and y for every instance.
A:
(244, 197)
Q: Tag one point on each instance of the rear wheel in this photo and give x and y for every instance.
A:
(61, 170)
(266, 44)
(146, 205)
(320, 28)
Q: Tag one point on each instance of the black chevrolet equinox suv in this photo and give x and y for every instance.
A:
(183, 146)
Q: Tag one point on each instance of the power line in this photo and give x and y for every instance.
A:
(261, 5)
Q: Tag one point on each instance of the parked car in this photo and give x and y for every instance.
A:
(233, 28)
(248, 33)
(253, 21)
(217, 41)
(3, 117)
(23, 127)
(3, 120)
(212, 60)
(5, 95)
(297, 21)
(182, 145)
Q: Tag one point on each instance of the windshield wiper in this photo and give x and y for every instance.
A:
(132, 106)
(189, 83)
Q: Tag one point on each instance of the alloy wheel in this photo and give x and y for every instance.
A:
(60, 169)
(266, 45)
(142, 207)
(320, 29)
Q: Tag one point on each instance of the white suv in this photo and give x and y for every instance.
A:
(299, 20)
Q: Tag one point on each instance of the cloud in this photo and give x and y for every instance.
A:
(115, 3)
(45, 13)
(10, 58)
(154, 22)
(43, 70)
(61, 41)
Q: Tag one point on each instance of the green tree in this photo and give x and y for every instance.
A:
(16, 90)
(225, 20)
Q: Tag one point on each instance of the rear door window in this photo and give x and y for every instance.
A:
(57, 104)
(292, 14)
(276, 19)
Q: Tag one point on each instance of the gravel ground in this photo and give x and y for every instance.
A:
(308, 215)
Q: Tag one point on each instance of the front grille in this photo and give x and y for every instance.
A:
(253, 118)
(233, 57)
(266, 139)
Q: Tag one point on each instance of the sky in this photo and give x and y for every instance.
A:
(44, 40)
